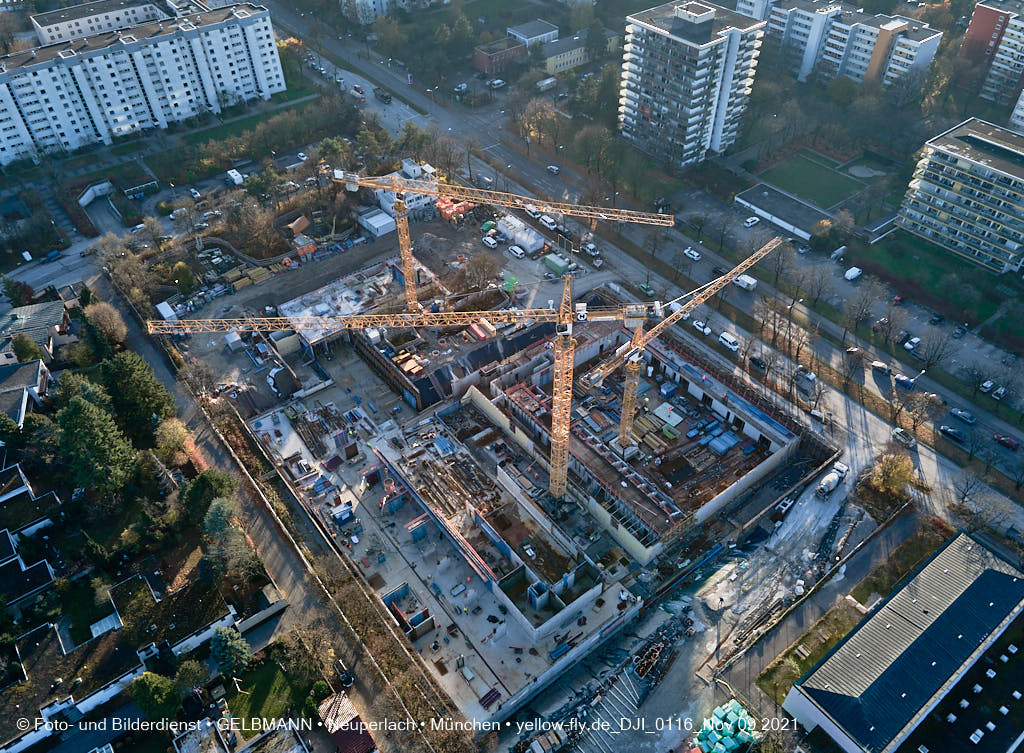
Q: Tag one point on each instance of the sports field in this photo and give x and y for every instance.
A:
(811, 181)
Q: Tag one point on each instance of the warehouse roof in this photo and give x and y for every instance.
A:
(899, 659)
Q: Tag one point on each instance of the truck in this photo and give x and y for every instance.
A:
(546, 84)
(382, 94)
(852, 274)
(746, 282)
(556, 264)
(234, 178)
(831, 481)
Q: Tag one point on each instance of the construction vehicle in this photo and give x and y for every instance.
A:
(564, 316)
(831, 481)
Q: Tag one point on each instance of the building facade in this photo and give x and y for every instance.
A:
(85, 20)
(687, 71)
(98, 88)
(569, 52)
(834, 39)
(494, 57)
(967, 195)
(994, 41)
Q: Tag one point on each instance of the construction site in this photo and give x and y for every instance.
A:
(517, 485)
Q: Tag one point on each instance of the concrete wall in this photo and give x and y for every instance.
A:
(201, 637)
(536, 515)
(754, 477)
(621, 534)
(810, 717)
(499, 419)
(95, 191)
(798, 232)
(264, 614)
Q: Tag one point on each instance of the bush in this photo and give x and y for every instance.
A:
(164, 208)
(74, 210)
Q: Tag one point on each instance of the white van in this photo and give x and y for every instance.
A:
(547, 222)
(729, 340)
(531, 211)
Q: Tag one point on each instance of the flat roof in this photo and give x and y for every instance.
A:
(532, 29)
(984, 143)
(500, 45)
(141, 33)
(779, 204)
(898, 659)
(664, 17)
(85, 10)
(576, 41)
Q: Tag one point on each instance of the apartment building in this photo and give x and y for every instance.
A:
(994, 41)
(967, 195)
(97, 88)
(570, 52)
(88, 19)
(834, 39)
(687, 71)
(1017, 116)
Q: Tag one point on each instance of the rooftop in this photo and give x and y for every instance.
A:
(35, 320)
(897, 660)
(343, 724)
(85, 10)
(53, 672)
(203, 738)
(693, 22)
(19, 581)
(17, 376)
(577, 40)
(26, 59)
(23, 509)
(279, 740)
(779, 204)
(986, 144)
(500, 45)
(531, 29)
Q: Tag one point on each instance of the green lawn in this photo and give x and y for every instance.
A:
(129, 147)
(227, 130)
(487, 8)
(915, 267)
(907, 557)
(779, 676)
(267, 693)
(811, 181)
(818, 157)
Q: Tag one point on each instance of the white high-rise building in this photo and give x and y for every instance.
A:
(835, 39)
(686, 77)
(87, 19)
(98, 88)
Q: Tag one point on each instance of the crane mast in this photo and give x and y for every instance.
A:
(563, 316)
(632, 355)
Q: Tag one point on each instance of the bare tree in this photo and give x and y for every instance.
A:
(976, 442)
(918, 410)
(858, 308)
(818, 284)
(778, 263)
(895, 322)
(935, 347)
(966, 484)
(1017, 474)
(973, 377)
(852, 365)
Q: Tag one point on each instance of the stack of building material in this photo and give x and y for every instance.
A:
(258, 275)
(728, 729)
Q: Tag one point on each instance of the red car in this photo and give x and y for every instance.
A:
(877, 326)
(1006, 441)
(897, 300)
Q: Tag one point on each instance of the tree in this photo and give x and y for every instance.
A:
(108, 321)
(778, 263)
(170, 441)
(156, 695)
(817, 284)
(97, 454)
(72, 385)
(19, 293)
(219, 518)
(595, 47)
(858, 308)
(481, 269)
(966, 484)
(8, 26)
(140, 401)
(25, 348)
(10, 433)
(841, 90)
(197, 495)
(230, 651)
(152, 231)
(935, 347)
(893, 471)
(190, 674)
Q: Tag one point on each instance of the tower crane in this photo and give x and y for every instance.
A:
(631, 354)
(402, 186)
(631, 315)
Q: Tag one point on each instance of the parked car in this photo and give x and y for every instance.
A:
(702, 327)
(358, 89)
(955, 434)
(496, 83)
(758, 363)
(499, 236)
(987, 386)
(1007, 441)
(936, 319)
(194, 194)
(554, 169)
(302, 156)
(897, 300)
(751, 221)
(999, 393)
(880, 366)
(912, 343)
(591, 249)
(966, 416)
(960, 331)
(646, 289)
(877, 326)
(345, 677)
(516, 251)
(904, 437)
(691, 253)
(904, 381)
(489, 241)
